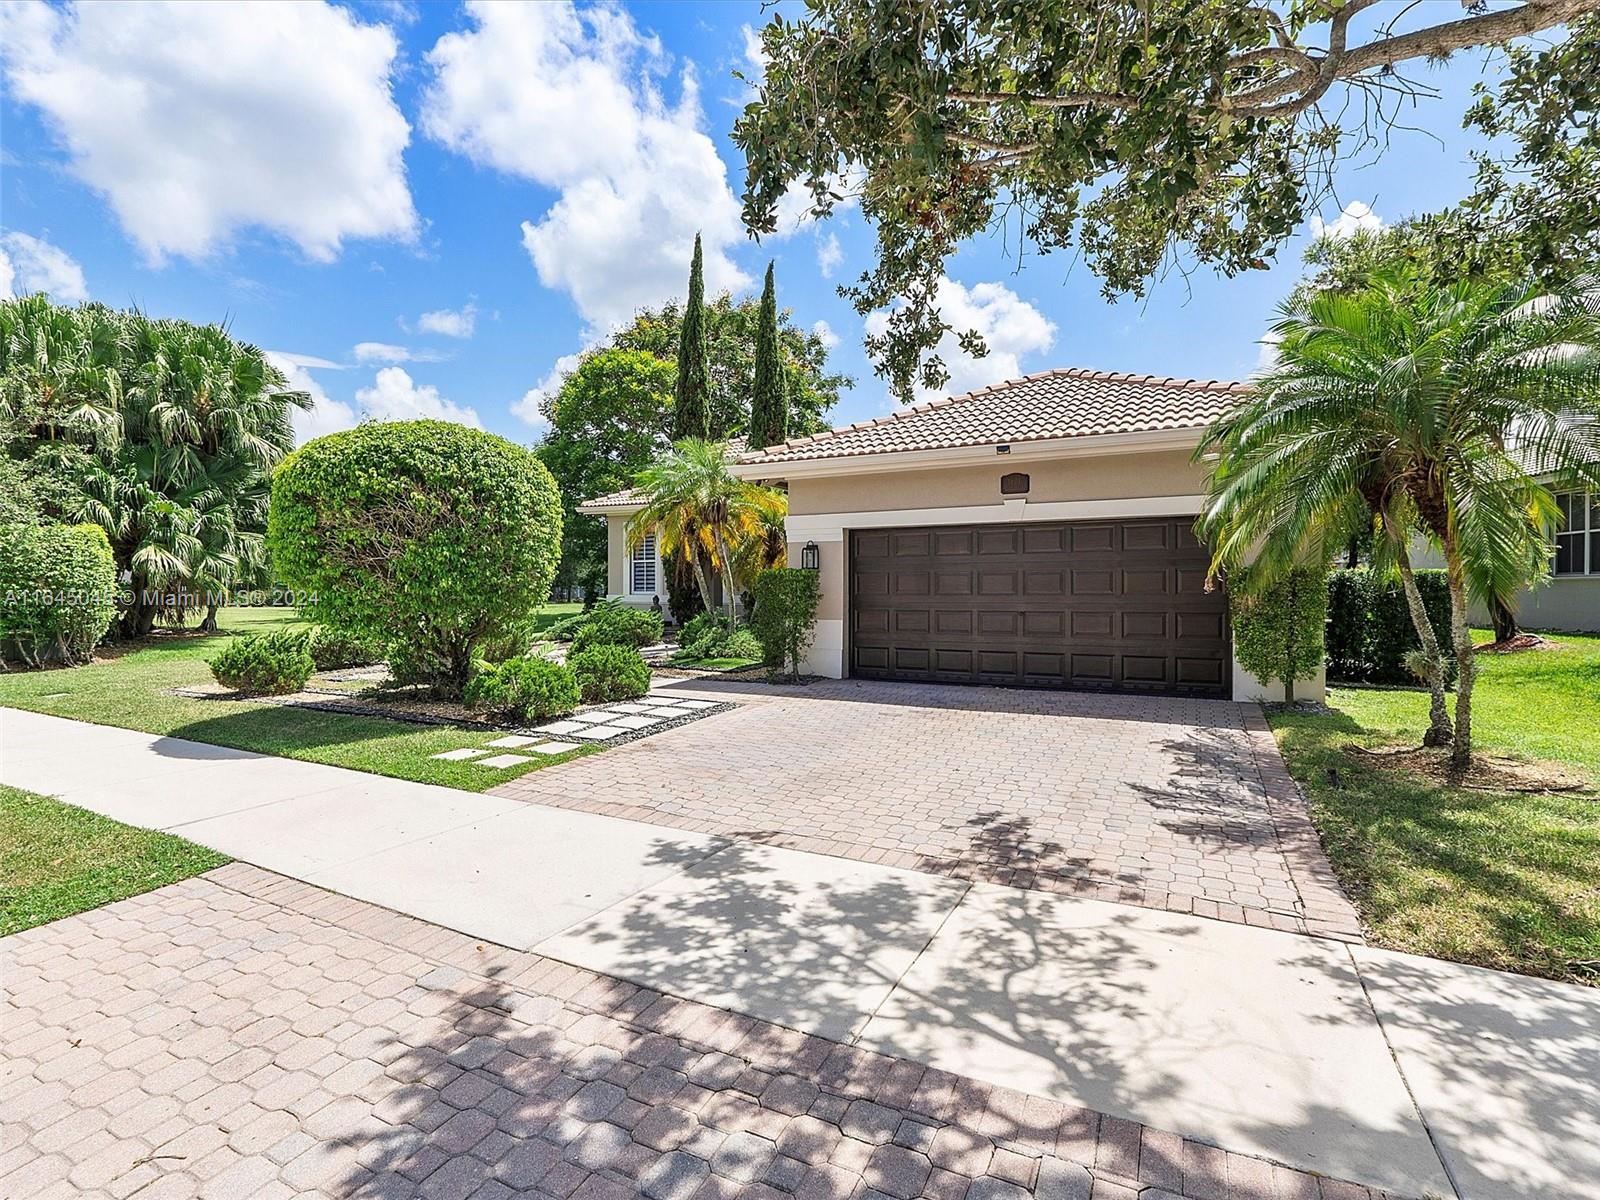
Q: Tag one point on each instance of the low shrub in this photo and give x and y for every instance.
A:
(332, 649)
(265, 664)
(1278, 627)
(1370, 631)
(565, 629)
(528, 688)
(614, 624)
(698, 627)
(607, 673)
(785, 617)
(58, 592)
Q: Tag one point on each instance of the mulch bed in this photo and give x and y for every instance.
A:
(1488, 773)
(1523, 641)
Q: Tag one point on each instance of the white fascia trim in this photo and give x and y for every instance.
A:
(911, 460)
(609, 510)
(830, 527)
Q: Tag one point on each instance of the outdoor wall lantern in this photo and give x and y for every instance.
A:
(810, 557)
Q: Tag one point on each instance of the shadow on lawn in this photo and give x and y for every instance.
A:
(280, 729)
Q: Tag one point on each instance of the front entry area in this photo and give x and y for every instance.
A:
(1097, 605)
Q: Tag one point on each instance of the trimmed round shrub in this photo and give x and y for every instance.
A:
(785, 617)
(265, 664)
(527, 688)
(58, 592)
(607, 673)
(565, 629)
(332, 649)
(431, 537)
(613, 624)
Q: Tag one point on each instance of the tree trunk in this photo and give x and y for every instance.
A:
(1439, 731)
(1504, 620)
(1466, 667)
(209, 625)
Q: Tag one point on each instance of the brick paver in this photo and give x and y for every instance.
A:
(245, 1035)
(1183, 805)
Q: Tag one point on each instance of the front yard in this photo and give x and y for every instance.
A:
(133, 689)
(1507, 880)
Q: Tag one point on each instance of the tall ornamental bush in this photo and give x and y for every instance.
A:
(1278, 624)
(1370, 631)
(785, 617)
(58, 592)
(430, 536)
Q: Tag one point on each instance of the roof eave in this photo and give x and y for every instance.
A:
(591, 508)
(1081, 446)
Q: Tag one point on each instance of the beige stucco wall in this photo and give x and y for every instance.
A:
(616, 555)
(1569, 602)
(1098, 477)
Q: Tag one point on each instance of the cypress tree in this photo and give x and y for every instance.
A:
(769, 405)
(691, 413)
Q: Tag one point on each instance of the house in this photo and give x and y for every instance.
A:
(636, 577)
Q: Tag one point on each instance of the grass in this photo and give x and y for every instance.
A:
(133, 690)
(714, 664)
(1506, 880)
(57, 860)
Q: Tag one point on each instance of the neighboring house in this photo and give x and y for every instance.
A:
(1036, 533)
(1570, 598)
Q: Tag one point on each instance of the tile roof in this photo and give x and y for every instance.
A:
(1068, 402)
(613, 499)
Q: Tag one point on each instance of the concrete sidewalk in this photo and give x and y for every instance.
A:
(1353, 1062)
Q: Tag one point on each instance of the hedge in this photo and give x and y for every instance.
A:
(58, 592)
(785, 616)
(436, 539)
(1370, 631)
(1278, 627)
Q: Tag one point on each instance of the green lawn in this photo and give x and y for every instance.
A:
(133, 690)
(56, 860)
(1508, 880)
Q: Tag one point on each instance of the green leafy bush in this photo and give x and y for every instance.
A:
(265, 664)
(710, 635)
(332, 649)
(611, 623)
(607, 673)
(58, 592)
(1278, 627)
(1370, 632)
(565, 629)
(785, 617)
(527, 688)
(435, 538)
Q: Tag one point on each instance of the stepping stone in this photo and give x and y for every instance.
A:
(502, 761)
(599, 733)
(458, 755)
(514, 741)
(632, 722)
(631, 708)
(697, 703)
(554, 747)
(597, 715)
(563, 727)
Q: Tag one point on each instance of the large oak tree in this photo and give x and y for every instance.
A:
(1134, 131)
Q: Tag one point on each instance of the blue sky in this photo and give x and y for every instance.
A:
(428, 209)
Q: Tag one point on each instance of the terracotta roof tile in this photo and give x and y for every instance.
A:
(1068, 402)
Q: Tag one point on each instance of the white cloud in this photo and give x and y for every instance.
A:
(1011, 327)
(326, 415)
(829, 254)
(395, 396)
(198, 121)
(371, 352)
(1357, 216)
(29, 264)
(1267, 357)
(571, 101)
(527, 408)
(823, 330)
(755, 56)
(448, 322)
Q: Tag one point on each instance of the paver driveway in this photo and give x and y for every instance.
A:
(1175, 804)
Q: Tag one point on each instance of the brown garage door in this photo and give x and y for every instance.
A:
(1105, 605)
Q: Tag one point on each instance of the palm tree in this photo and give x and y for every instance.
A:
(696, 506)
(1449, 409)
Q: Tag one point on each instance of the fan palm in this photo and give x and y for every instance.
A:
(1449, 409)
(697, 507)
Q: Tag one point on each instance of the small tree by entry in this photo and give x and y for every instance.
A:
(1278, 624)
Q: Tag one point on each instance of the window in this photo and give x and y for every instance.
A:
(644, 567)
(1578, 536)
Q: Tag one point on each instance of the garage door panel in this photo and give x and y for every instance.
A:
(1102, 605)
